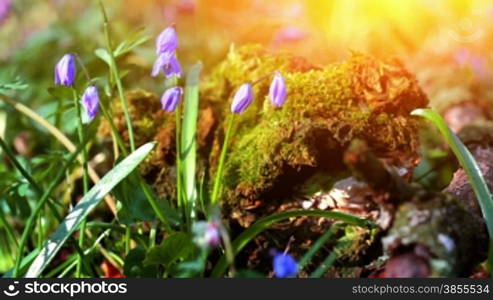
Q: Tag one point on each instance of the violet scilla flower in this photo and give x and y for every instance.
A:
(65, 70)
(168, 63)
(241, 100)
(171, 98)
(277, 90)
(166, 45)
(90, 103)
(284, 265)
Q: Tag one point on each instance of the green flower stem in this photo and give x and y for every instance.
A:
(85, 176)
(114, 131)
(116, 75)
(220, 168)
(178, 157)
(39, 205)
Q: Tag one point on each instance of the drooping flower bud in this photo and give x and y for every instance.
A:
(167, 40)
(242, 99)
(65, 70)
(171, 98)
(277, 90)
(284, 265)
(168, 63)
(90, 102)
(206, 234)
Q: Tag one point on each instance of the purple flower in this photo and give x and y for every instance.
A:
(171, 98)
(168, 63)
(277, 90)
(206, 234)
(167, 40)
(242, 99)
(5, 6)
(90, 102)
(284, 265)
(65, 70)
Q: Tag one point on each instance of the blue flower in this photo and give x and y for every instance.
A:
(168, 63)
(277, 90)
(284, 265)
(65, 70)
(242, 99)
(167, 40)
(171, 98)
(90, 102)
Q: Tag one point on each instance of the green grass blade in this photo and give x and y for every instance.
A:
(188, 147)
(471, 168)
(85, 206)
(246, 236)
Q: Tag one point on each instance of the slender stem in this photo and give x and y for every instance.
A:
(178, 157)
(37, 209)
(128, 232)
(114, 131)
(152, 235)
(220, 167)
(80, 133)
(116, 75)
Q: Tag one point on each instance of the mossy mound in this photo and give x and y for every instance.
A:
(274, 150)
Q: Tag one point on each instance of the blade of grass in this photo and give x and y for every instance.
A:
(189, 136)
(85, 206)
(472, 170)
(246, 236)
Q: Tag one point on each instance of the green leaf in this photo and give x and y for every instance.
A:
(246, 236)
(85, 206)
(471, 168)
(188, 145)
(134, 202)
(177, 246)
(134, 266)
